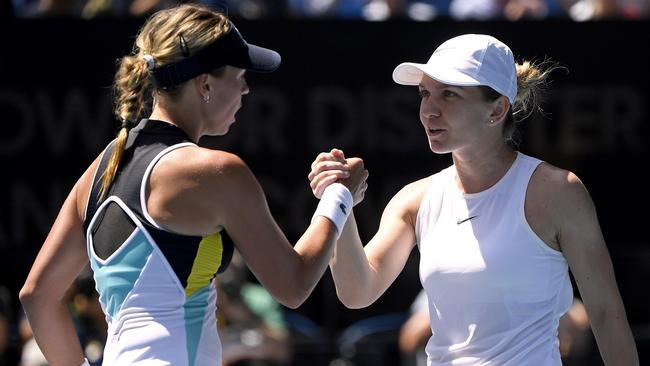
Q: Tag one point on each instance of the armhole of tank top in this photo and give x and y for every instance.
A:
(139, 226)
(522, 214)
(425, 199)
(92, 182)
(145, 179)
(90, 238)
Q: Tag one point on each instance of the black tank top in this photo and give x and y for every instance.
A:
(146, 144)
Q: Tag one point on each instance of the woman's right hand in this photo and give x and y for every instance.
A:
(333, 167)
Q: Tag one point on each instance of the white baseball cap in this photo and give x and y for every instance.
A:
(466, 60)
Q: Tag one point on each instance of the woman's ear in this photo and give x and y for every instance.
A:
(500, 109)
(201, 84)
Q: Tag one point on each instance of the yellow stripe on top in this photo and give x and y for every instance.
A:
(206, 263)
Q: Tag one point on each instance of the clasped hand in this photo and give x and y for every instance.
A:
(333, 167)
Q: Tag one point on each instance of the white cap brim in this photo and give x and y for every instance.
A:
(410, 73)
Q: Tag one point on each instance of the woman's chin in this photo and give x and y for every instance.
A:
(438, 149)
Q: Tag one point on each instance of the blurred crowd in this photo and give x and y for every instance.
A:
(370, 10)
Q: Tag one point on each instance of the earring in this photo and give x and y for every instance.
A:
(206, 98)
(491, 121)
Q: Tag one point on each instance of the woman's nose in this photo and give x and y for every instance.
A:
(429, 110)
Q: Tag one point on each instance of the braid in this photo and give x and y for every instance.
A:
(131, 84)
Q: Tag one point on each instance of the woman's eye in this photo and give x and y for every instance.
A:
(423, 93)
(449, 93)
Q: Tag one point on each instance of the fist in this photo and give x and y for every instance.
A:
(331, 167)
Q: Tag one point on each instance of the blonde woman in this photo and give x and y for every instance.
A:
(151, 212)
(497, 231)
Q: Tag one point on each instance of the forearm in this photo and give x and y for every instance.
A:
(314, 249)
(350, 268)
(316, 246)
(54, 331)
(615, 340)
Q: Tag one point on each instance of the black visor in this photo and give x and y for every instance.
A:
(229, 49)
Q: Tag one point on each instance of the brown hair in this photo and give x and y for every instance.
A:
(532, 80)
(167, 36)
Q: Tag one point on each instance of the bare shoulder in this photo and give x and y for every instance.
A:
(559, 185)
(414, 191)
(201, 170)
(192, 187)
(557, 201)
(407, 201)
(195, 160)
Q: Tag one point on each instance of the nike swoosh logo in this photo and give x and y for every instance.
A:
(463, 220)
(343, 208)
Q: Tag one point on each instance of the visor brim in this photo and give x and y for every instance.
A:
(262, 60)
(409, 73)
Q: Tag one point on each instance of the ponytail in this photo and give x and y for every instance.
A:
(532, 79)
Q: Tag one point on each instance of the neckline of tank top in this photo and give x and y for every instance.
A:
(456, 190)
(148, 125)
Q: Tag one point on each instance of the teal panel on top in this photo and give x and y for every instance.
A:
(195, 307)
(115, 279)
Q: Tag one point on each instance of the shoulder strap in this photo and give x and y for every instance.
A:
(144, 142)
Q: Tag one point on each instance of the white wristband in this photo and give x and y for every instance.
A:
(335, 204)
(85, 363)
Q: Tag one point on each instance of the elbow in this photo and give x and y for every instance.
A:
(293, 294)
(354, 306)
(292, 304)
(352, 301)
(26, 295)
(356, 297)
(32, 295)
(295, 297)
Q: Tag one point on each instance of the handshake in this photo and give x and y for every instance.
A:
(332, 167)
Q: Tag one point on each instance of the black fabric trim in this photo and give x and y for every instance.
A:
(180, 251)
(93, 198)
(228, 249)
(112, 227)
(144, 143)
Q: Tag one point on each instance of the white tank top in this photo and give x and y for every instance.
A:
(496, 291)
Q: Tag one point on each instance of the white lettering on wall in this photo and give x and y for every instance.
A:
(589, 120)
(261, 124)
(19, 116)
(68, 123)
(276, 131)
(372, 120)
(29, 212)
(76, 122)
